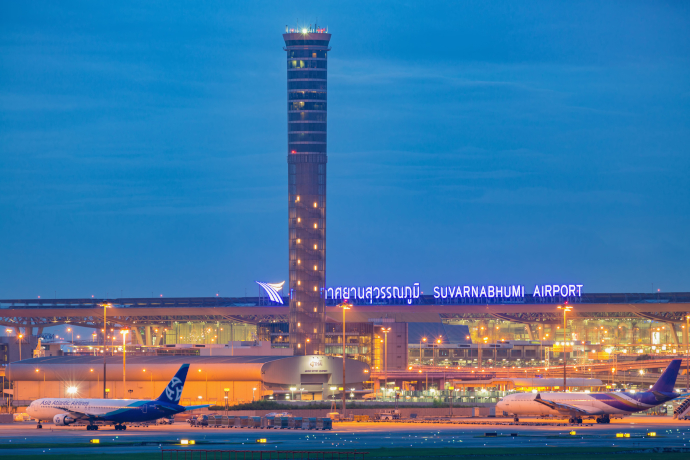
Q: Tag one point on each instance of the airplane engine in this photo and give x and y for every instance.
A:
(63, 420)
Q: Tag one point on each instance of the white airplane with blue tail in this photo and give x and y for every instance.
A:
(118, 412)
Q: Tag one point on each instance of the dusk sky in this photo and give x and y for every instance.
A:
(143, 145)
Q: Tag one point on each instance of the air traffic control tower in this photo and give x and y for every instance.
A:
(307, 51)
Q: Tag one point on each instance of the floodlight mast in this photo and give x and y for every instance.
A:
(565, 309)
(345, 306)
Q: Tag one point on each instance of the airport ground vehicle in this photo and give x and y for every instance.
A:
(165, 421)
(387, 414)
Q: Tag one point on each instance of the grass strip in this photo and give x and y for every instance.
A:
(574, 453)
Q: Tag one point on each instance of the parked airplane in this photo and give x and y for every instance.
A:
(66, 411)
(590, 405)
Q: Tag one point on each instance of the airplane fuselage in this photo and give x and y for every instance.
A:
(581, 404)
(103, 410)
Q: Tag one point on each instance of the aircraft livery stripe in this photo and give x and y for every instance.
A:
(616, 402)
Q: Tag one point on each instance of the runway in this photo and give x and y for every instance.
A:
(351, 436)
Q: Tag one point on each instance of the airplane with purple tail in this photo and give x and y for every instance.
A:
(599, 406)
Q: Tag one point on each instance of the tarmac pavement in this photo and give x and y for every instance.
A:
(362, 436)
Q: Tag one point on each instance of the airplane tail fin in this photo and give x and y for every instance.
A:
(667, 380)
(173, 391)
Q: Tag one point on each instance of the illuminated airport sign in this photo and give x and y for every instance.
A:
(374, 292)
(410, 292)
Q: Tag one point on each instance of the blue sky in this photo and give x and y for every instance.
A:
(143, 145)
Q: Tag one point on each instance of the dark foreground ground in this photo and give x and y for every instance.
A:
(380, 440)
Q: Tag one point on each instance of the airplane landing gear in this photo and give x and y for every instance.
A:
(604, 419)
(120, 427)
(575, 420)
(38, 425)
(92, 427)
(515, 419)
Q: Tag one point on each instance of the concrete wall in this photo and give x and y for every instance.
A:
(211, 392)
(243, 348)
(397, 346)
(405, 412)
(28, 346)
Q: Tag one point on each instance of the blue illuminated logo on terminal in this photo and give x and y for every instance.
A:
(272, 291)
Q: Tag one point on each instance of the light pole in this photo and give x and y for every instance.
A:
(687, 353)
(153, 390)
(385, 331)
(253, 390)
(105, 339)
(438, 348)
(292, 393)
(206, 386)
(44, 379)
(21, 336)
(426, 377)
(565, 309)
(452, 391)
(226, 390)
(124, 361)
(479, 355)
(423, 339)
(344, 306)
(69, 329)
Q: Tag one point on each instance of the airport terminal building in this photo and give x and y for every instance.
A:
(210, 379)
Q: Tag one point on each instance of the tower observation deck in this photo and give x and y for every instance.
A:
(306, 90)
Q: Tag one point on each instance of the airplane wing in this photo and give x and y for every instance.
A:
(565, 408)
(196, 407)
(78, 415)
